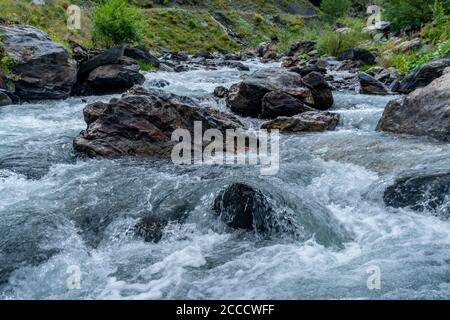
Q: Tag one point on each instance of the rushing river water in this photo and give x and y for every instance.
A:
(58, 211)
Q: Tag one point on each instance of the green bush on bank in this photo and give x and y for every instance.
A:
(115, 22)
(334, 9)
(404, 13)
(331, 42)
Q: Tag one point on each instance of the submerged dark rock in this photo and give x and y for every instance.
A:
(243, 207)
(220, 92)
(150, 228)
(421, 193)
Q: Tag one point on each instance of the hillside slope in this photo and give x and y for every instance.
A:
(186, 25)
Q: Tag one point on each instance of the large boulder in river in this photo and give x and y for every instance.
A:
(321, 91)
(423, 75)
(430, 192)
(44, 67)
(246, 97)
(142, 121)
(279, 103)
(370, 85)
(112, 78)
(363, 56)
(311, 121)
(425, 111)
(109, 72)
(243, 207)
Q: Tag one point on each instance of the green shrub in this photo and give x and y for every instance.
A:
(146, 66)
(257, 18)
(334, 9)
(439, 29)
(413, 13)
(331, 42)
(424, 57)
(7, 62)
(408, 61)
(116, 22)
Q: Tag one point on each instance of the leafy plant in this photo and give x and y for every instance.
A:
(424, 57)
(334, 9)
(331, 42)
(439, 29)
(146, 66)
(408, 61)
(116, 22)
(403, 13)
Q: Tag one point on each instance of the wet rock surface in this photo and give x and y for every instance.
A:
(142, 123)
(425, 111)
(46, 70)
(422, 193)
(310, 121)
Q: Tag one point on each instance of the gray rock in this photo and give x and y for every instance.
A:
(408, 45)
(423, 75)
(370, 85)
(279, 103)
(238, 65)
(45, 68)
(308, 69)
(243, 207)
(204, 54)
(141, 53)
(357, 54)
(109, 56)
(302, 46)
(142, 123)
(321, 91)
(4, 99)
(246, 97)
(220, 92)
(112, 78)
(311, 121)
(422, 193)
(425, 111)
